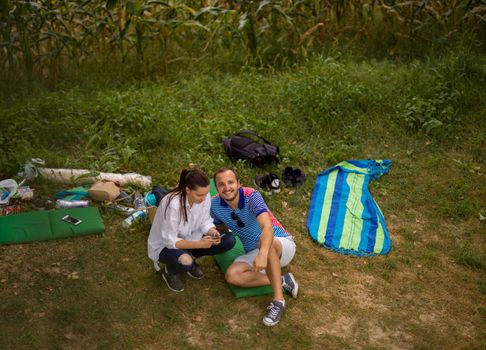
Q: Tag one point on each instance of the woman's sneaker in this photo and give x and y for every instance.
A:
(293, 177)
(298, 177)
(287, 176)
(196, 273)
(274, 313)
(172, 280)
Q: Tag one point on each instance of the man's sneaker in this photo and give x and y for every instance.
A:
(274, 313)
(274, 183)
(196, 273)
(290, 285)
(268, 181)
(172, 281)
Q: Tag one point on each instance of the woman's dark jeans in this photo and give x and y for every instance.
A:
(170, 257)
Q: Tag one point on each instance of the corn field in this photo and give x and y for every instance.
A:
(39, 38)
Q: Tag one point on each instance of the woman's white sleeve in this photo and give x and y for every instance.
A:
(171, 228)
(206, 219)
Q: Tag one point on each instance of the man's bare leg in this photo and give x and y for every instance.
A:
(241, 274)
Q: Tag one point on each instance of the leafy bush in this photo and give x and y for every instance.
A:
(319, 111)
(429, 114)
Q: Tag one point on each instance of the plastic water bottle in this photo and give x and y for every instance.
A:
(61, 203)
(138, 215)
(124, 198)
(122, 208)
(139, 201)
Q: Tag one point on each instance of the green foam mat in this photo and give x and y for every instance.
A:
(46, 225)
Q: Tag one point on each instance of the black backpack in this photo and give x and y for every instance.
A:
(255, 149)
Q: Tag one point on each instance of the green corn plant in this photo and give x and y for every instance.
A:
(39, 38)
(264, 21)
(22, 20)
(6, 45)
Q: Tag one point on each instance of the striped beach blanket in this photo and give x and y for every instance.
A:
(342, 215)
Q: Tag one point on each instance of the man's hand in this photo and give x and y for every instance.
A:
(260, 262)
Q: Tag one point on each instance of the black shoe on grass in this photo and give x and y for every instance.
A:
(172, 280)
(298, 177)
(196, 273)
(287, 176)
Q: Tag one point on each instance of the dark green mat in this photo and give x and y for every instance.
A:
(46, 225)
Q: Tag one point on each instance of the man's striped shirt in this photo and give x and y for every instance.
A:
(250, 205)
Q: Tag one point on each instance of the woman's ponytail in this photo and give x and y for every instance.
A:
(191, 179)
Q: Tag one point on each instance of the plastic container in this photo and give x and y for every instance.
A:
(136, 216)
(121, 208)
(124, 198)
(139, 201)
(150, 200)
(61, 203)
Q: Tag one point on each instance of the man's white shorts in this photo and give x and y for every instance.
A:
(288, 252)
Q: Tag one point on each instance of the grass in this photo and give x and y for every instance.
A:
(429, 293)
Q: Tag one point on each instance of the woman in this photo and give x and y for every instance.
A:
(183, 230)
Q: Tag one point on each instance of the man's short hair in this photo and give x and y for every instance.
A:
(222, 170)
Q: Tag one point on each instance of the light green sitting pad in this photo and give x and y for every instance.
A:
(212, 188)
(226, 259)
(46, 225)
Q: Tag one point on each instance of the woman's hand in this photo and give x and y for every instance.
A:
(208, 241)
(215, 236)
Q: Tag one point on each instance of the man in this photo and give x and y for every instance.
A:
(268, 246)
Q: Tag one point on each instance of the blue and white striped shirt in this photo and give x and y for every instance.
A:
(250, 205)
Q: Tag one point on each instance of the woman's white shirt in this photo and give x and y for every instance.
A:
(169, 227)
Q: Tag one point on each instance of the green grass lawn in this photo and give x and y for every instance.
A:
(428, 118)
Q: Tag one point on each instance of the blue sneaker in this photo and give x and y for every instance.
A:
(290, 285)
(274, 313)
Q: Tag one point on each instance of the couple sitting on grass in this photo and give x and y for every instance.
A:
(188, 223)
